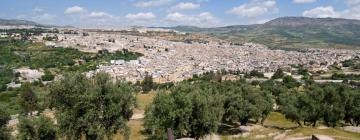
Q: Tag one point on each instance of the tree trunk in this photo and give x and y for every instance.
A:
(263, 120)
(243, 122)
(314, 123)
(299, 123)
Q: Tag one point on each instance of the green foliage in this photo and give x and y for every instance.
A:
(48, 76)
(91, 107)
(40, 128)
(290, 82)
(303, 71)
(343, 76)
(195, 109)
(330, 102)
(348, 63)
(28, 100)
(352, 107)
(147, 84)
(255, 73)
(278, 74)
(16, 53)
(4, 118)
(190, 110)
(6, 76)
(245, 102)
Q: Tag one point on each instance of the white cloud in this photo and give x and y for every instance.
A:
(204, 19)
(141, 16)
(200, 1)
(74, 10)
(38, 10)
(304, 1)
(186, 6)
(321, 12)
(352, 2)
(152, 3)
(352, 11)
(254, 8)
(99, 15)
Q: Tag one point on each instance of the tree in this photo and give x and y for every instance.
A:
(334, 107)
(352, 107)
(28, 100)
(245, 103)
(95, 107)
(41, 128)
(312, 104)
(190, 110)
(278, 74)
(290, 82)
(291, 107)
(4, 118)
(255, 73)
(147, 83)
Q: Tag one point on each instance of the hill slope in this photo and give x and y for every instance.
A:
(17, 22)
(291, 32)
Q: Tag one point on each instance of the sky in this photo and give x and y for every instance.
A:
(201, 13)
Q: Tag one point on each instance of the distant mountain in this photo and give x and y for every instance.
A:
(290, 32)
(305, 21)
(16, 22)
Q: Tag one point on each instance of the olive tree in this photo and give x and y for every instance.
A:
(95, 107)
(245, 103)
(191, 110)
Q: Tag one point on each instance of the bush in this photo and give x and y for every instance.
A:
(47, 77)
(41, 128)
(4, 118)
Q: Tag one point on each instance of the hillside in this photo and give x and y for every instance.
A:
(17, 22)
(291, 32)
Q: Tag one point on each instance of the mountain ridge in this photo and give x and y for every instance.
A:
(290, 33)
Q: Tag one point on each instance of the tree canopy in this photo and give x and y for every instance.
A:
(93, 107)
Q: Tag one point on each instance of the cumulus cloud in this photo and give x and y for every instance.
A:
(322, 12)
(152, 3)
(353, 2)
(74, 10)
(304, 1)
(254, 8)
(204, 19)
(99, 15)
(38, 10)
(141, 16)
(186, 6)
(352, 11)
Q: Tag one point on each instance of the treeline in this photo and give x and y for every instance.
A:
(196, 108)
(329, 103)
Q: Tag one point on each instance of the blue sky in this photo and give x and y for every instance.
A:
(203, 13)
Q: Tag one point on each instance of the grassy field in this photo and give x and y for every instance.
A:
(136, 127)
